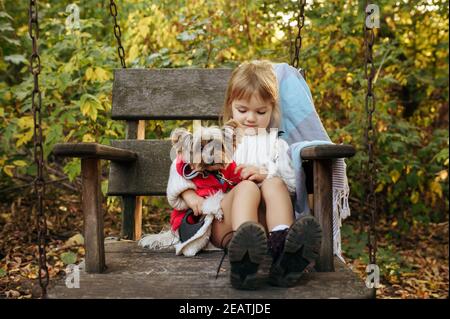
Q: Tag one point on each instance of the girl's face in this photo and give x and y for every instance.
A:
(255, 113)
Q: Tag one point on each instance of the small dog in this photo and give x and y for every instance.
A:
(207, 161)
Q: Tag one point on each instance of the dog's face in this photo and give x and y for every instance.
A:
(212, 149)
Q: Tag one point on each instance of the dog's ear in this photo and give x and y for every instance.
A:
(177, 135)
(231, 130)
(180, 138)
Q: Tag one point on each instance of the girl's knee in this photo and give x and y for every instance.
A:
(248, 187)
(273, 183)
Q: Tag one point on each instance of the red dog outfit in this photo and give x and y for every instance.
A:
(206, 183)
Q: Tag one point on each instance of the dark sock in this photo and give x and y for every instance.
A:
(275, 243)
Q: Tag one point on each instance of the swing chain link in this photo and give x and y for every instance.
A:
(298, 39)
(370, 135)
(117, 33)
(39, 183)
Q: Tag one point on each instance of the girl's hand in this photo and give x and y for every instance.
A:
(193, 201)
(251, 173)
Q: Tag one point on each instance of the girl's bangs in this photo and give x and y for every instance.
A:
(244, 90)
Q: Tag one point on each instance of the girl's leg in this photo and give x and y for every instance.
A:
(295, 248)
(262, 215)
(239, 205)
(240, 233)
(279, 210)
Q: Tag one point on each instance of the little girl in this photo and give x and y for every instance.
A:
(261, 202)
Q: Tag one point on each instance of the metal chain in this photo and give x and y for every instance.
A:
(117, 33)
(369, 134)
(39, 183)
(298, 39)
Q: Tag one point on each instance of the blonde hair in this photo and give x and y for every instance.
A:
(249, 78)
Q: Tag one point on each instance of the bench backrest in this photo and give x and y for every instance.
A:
(159, 94)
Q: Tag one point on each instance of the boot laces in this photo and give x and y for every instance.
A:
(225, 250)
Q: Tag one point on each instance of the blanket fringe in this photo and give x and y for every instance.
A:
(169, 239)
(165, 239)
(341, 210)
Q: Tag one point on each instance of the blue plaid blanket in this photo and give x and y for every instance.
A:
(302, 128)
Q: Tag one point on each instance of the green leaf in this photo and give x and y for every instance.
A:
(89, 105)
(20, 163)
(3, 14)
(76, 239)
(73, 168)
(185, 36)
(21, 95)
(16, 59)
(2, 272)
(441, 156)
(6, 27)
(104, 186)
(152, 57)
(55, 133)
(412, 179)
(11, 41)
(89, 108)
(68, 258)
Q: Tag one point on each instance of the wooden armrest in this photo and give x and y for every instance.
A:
(93, 150)
(327, 152)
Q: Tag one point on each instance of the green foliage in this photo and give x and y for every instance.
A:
(69, 258)
(411, 86)
(355, 247)
(73, 168)
(354, 242)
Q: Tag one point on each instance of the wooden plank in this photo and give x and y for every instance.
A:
(141, 273)
(327, 151)
(93, 150)
(128, 209)
(169, 93)
(131, 217)
(138, 218)
(308, 169)
(138, 206)
(147, 175)
(132, 205)
(135, 130)
(93, 215)
(323, 211)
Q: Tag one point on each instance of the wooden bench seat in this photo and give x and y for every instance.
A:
(134, 272)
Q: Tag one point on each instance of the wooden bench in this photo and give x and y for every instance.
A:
(140, 167)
